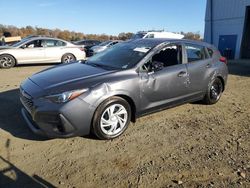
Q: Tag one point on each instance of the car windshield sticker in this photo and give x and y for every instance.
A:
(142, 49)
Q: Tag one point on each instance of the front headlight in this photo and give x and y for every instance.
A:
(65, 96)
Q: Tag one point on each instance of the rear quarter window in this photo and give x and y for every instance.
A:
(210, 52)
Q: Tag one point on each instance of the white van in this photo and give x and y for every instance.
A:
(157, 34)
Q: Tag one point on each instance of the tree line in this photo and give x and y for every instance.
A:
(7, 30)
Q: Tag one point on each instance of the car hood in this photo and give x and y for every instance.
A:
(69, 77)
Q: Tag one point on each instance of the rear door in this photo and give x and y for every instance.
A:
(198, 64)
(54, 50)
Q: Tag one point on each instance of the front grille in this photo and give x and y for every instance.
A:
(26, 100)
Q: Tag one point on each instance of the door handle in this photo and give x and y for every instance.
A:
(182, 74)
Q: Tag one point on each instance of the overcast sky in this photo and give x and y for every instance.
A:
(106, 16)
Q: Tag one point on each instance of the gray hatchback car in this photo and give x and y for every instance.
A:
(103, 94)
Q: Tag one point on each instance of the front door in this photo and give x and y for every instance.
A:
(31, 52)
(167, 85)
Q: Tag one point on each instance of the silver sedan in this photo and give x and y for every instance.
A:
(40, 50)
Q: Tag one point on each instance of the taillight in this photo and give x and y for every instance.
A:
(223, 60)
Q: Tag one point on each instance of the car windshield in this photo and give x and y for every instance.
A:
(104, 43)
(121, 56)
(21, 42)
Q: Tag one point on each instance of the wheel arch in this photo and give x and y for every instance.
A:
(131, 104)
(16, 62)
(222, 81)
(68, 53)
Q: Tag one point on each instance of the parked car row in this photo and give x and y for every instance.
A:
(39, 49)
(87, 45)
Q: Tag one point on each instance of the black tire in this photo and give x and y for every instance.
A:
(214, 92)
(7, 61)
(101, 112)
(68, 58)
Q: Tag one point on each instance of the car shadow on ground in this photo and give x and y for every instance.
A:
(11, 119)
(239, 67)
(38, 64)
(11, 176)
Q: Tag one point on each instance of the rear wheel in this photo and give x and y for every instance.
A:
(214, 92)
(68, 58)
(111, 118)
(7, 61)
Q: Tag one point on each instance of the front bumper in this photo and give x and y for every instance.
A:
(58, 120)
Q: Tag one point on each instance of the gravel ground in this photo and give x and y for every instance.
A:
(192, 145)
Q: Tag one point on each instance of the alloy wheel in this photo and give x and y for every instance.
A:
(68, 59)
(6, 62)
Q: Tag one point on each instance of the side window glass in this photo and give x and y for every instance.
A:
(60, 43)
(54, 43)
(33, 44)
(195, 53)
(50, 43)
(168, 56)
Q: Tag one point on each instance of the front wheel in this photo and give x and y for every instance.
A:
(111, 118)
(7, 61)
(68, 58)
(214, 92)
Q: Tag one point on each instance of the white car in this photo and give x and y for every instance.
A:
(40, 50)
(158, 34)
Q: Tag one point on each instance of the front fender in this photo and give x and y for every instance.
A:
(102, 92)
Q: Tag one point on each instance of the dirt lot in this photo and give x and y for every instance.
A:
(188, 146)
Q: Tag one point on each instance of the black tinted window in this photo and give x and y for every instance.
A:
(211, 52)
(195, 53)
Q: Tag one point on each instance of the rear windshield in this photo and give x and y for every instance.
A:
(138, 36)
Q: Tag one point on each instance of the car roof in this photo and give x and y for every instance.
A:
(87, 40)
(48, 38)
(153, 42)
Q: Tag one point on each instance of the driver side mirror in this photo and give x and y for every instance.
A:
(156, 66)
